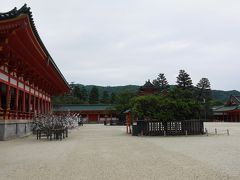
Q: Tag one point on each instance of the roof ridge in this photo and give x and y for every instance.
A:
(14, 12)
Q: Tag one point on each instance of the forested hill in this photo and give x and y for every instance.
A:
(108, 94)
(113, 89)
(216, 94)
(223, 95)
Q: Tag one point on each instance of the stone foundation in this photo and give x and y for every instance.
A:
(10, 129)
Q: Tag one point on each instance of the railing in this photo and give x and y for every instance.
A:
(11, 114)
(159, 128)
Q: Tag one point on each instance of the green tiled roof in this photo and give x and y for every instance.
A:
(226, 108)
(83, 107)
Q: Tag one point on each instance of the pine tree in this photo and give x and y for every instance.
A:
(161, 82)
(184, 80)
(94, 95)
(204, 89)
(204, 96)
(204, 83)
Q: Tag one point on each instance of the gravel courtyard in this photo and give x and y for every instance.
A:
(107, 153)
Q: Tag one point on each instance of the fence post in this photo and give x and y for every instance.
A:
(206, 131)
(16, 128)
(176, 126)
(216, 131)
(227, 132)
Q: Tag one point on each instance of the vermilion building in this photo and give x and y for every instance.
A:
(90, 113)
(28, 75)
(230, 112)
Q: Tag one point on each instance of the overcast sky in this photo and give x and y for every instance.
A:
(120, 42)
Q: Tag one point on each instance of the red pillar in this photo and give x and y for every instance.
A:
(1, 110)
(8, 100)
(46, 102)
(49, 107)
(23, 104)
(29, 105)
(44, 109)
(34, 104)
(16, 102)
(128, 122)
(45, 106)
(0, 98)
(40, 106)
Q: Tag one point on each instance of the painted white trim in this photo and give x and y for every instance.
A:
(20, 85)
(27, 88)
(13, 81)
(3, 77)
(32, 91)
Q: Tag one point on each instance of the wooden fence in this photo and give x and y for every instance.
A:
(159, 128)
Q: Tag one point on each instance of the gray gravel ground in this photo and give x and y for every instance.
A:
(107, 153)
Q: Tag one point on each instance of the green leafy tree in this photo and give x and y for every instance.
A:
(84, 94)
(146, 107)
(113, 98)
(105, 98)
(164, 108)
(184, 80)
(71, 85)
(123, 103)
(161, 82)
(94, 95)
(179, 93)
(76, 92)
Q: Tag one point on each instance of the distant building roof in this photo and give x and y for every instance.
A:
(226, 108)
(127, 111)
(147, 89)
(233, 100)
(83, 107)
(233, 103)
